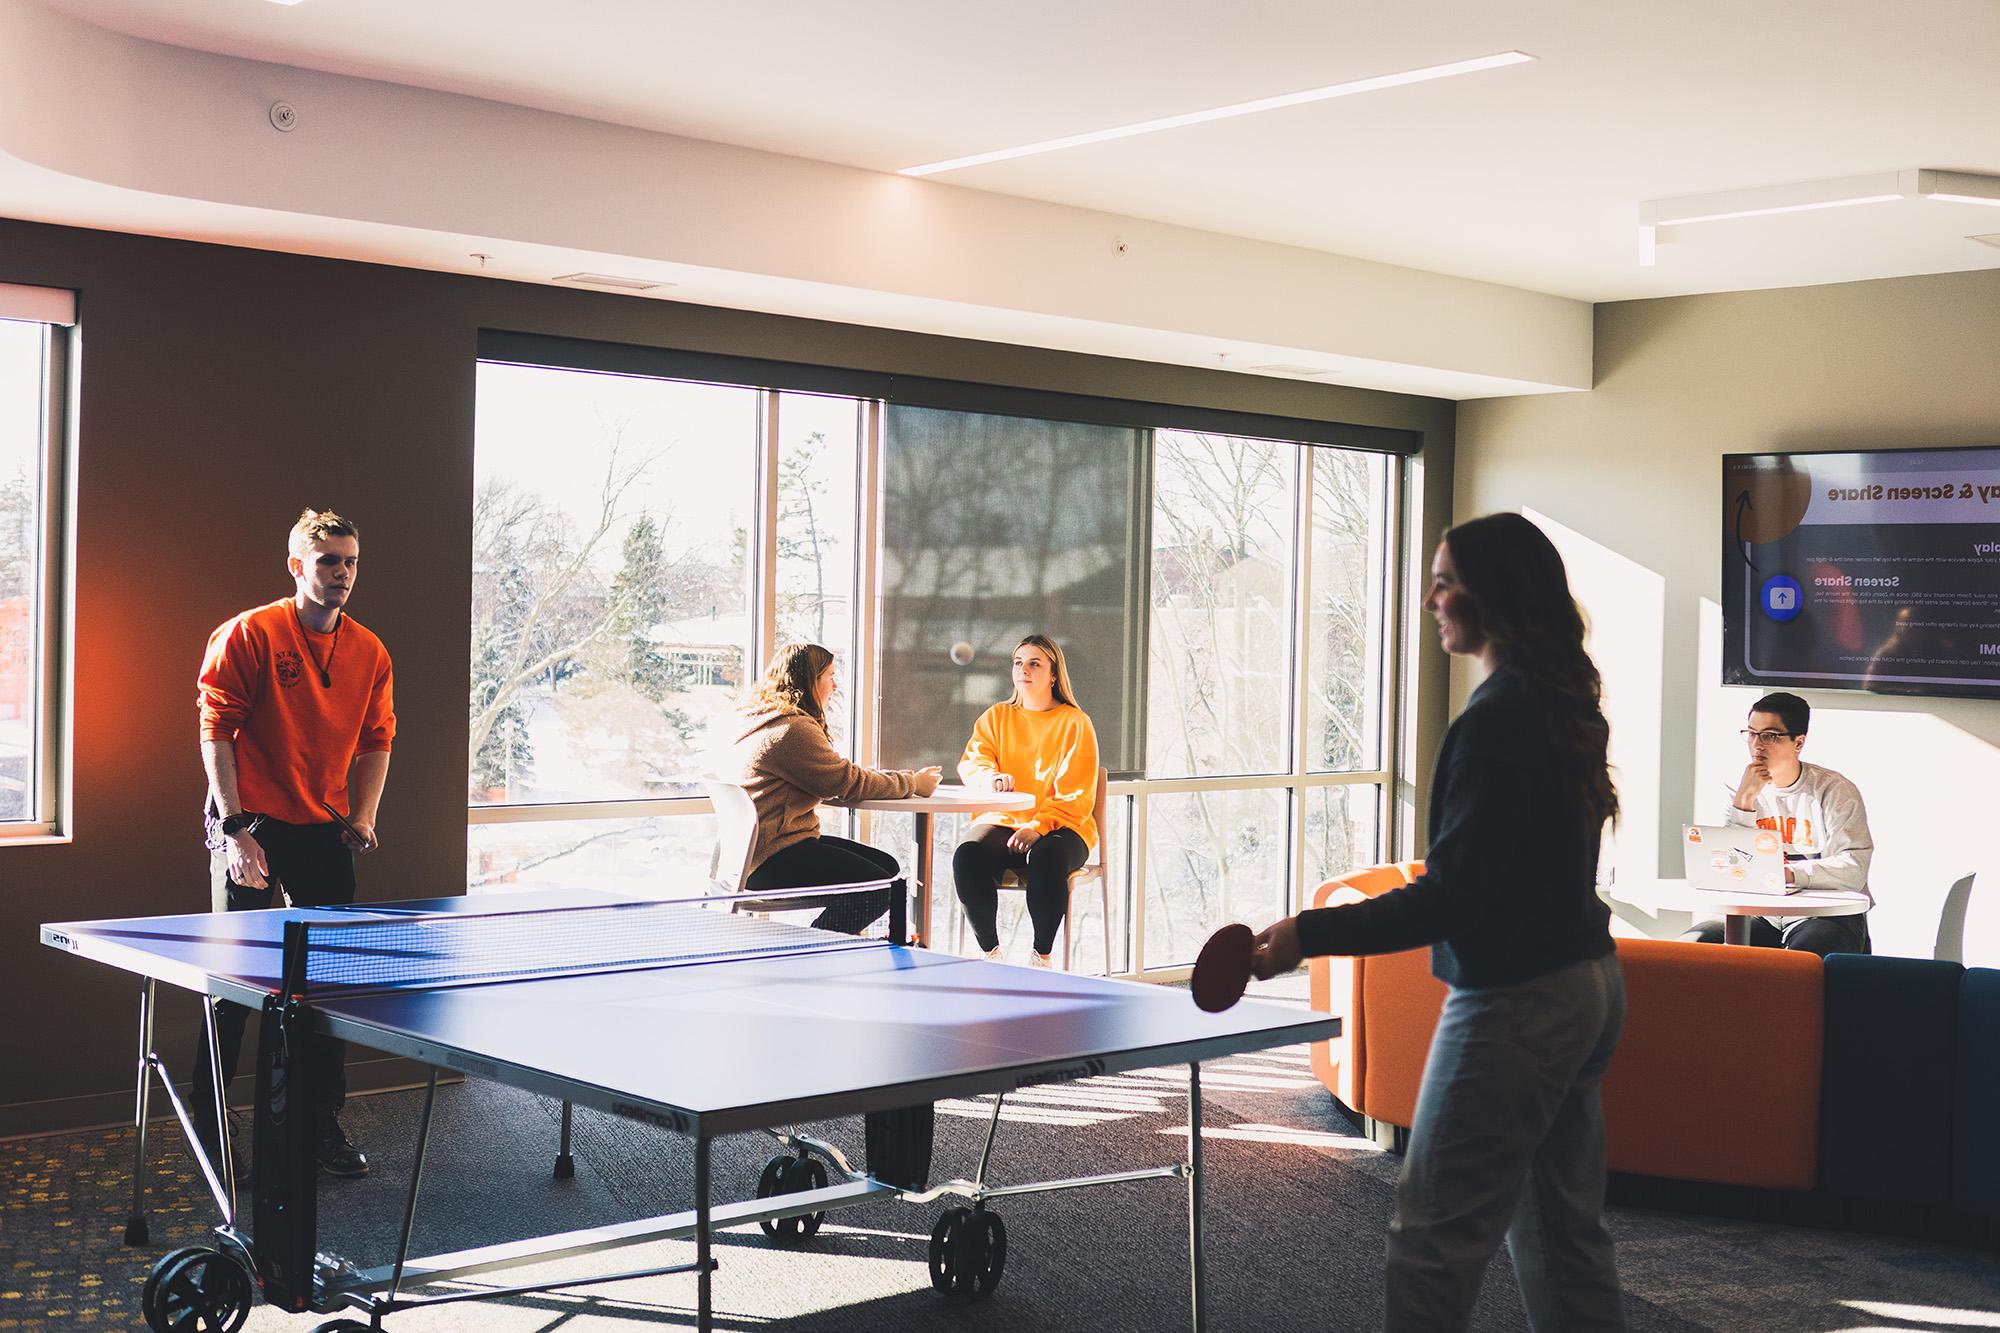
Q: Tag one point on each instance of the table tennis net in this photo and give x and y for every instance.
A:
(466, 948)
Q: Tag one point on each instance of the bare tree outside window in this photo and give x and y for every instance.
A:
(23, 380)
(1220, 689)
(610, 613)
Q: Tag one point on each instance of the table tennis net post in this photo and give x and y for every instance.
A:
(410, 952)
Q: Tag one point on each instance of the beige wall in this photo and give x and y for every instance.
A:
(1627, 478)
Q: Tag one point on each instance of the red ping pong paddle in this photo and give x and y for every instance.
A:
(1222, 970)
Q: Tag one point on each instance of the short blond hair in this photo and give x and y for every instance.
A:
(315, 526)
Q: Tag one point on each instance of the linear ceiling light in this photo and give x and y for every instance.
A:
(1959, 187)
(1348, 89)
(1879, 187)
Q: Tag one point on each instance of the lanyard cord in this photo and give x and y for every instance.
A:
(325, 668)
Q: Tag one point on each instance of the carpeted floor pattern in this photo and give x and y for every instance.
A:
(1297, 1206)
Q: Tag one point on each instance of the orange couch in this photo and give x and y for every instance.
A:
(1700, 1089)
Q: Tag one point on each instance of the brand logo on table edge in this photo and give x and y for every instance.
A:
(1088, 1069)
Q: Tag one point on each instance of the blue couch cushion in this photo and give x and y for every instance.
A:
(1978, 1132)
(1886, 1110)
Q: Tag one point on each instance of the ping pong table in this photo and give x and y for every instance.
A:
(704, 1022)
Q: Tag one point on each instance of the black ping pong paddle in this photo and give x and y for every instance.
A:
(1222, 970)
(345, 827)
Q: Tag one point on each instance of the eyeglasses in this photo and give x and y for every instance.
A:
(1766, 736)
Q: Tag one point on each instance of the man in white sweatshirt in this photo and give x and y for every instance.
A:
(1821, 819)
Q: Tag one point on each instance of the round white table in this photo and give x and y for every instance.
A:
(948, 799)
(1737, 910)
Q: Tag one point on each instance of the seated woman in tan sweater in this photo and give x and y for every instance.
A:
(786, 761)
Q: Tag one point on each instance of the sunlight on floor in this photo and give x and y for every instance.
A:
(1304, 1138)
(1927, 1314)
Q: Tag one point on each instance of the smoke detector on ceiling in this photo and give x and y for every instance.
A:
(612, 281)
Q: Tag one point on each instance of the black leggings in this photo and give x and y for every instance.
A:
(825, 860)
(979, 861)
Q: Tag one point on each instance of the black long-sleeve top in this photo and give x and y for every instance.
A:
(1508, 891)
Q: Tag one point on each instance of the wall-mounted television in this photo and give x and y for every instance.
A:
(1876, 570)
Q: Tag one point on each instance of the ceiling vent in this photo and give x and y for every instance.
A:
(1303, 372)
(1991, 238)
(612, 281)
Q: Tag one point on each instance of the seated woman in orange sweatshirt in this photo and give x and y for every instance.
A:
(787, 763)
(1041, 743)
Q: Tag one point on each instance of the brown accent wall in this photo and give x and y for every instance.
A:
(221, 390)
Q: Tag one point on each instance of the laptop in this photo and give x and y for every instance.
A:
(1735, 859)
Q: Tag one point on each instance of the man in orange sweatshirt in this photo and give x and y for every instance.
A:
(297, 716)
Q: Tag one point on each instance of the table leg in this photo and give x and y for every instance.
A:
(135, 1225)
(921, 877)
(1736, 928)
(704, 1315)
(1194, 1197)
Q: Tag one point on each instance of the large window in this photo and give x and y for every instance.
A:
(33, 349)
(644, 541)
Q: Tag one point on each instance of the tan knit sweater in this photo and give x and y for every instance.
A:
(785, 761)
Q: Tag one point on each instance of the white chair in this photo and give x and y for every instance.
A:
(735, 834)
(1092, 869)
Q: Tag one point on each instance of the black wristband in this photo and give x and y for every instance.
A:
(240, 822)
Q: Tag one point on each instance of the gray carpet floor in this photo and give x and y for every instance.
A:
(1297, 1206)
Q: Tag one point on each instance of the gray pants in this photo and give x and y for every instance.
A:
(1509, 1142)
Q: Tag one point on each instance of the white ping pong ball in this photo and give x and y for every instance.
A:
(961, 652)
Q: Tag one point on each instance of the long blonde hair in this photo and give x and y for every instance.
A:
(1065, 692)
(790, 680)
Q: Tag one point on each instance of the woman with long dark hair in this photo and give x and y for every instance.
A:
(786, 761)
(1508, 1139)
(1041, 743)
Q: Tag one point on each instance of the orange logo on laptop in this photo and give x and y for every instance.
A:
(1693, 833)
(1767, 840)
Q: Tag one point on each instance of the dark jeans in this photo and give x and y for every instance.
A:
(314, 868)
(1814, 934)
(825, 860)
(979, 862)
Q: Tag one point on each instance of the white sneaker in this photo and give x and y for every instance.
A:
(993, 954)
(1041, 960)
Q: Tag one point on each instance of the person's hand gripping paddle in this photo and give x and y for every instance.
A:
(1222, 970)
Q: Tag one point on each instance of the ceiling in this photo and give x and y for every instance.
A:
(1529, 176)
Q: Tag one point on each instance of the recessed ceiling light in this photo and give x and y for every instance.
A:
(1276, 368)
(285, 2)
(611, 280)
(1880, 187)
(1347, 89)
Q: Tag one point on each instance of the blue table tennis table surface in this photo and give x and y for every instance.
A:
(721, 1046)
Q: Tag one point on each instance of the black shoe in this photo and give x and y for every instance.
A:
(338, 1157)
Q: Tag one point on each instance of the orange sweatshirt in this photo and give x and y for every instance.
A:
(295, 737)
(1052, 756)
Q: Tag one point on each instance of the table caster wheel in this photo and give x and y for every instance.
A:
(784, 1174)
(149, 1294)
(982, 1254)
(201, 1291)
(805, 1173)
(944, 1239)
